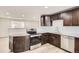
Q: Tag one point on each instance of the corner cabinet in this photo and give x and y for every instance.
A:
(45, 38)
(53, 39)
(46, 21)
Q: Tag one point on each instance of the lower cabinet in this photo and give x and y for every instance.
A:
(76, 45)
(65, 42)
(53, 39)
(45, 38)
(19, 43)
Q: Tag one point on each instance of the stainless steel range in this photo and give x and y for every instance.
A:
(34, 37)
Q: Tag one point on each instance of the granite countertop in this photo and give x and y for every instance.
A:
(19, 34)
(65, 34)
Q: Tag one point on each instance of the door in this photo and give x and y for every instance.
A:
(19, 44)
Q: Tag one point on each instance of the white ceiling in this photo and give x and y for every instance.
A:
(29, 12)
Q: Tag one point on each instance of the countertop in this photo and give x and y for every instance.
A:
(65, 34)
(19, 35)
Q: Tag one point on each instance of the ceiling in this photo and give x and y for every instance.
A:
(29, 12)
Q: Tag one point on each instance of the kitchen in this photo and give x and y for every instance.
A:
(56, 27)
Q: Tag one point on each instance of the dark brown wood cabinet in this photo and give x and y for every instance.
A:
(19, 43)
(53, 39)
(74, 18)
(67, 17)
(55, 17)
(42, 20)
(70, 18)
(76, 45)
(44, 38)
(46, 21)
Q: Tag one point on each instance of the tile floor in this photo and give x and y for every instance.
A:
(4, 45)
(47, 48)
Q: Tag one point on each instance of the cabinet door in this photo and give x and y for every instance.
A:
(67, 17)
(43, 21)
(44, 39)
(78, 17)
(47, 21)
(77, 14)
(51, 40)
(19, 44)
(77, 45)
(56, 40)
(75, 18)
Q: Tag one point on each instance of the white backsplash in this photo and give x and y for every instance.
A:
(49, 29)
(58, 23)
(60, 29)
(70, 30)
(56, 28)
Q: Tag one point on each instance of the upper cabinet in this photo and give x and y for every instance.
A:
(42, 20)
(67, 17)
(46, 21)
(70, 17)
(75, 17)
(55, 17)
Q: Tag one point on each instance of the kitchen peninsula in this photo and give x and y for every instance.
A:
(18, 40)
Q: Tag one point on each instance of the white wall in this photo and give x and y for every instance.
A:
(31, 24)
(4, 40)
(17, 24)
(4, 25)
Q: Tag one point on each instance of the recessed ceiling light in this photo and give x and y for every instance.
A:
(45, 7)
